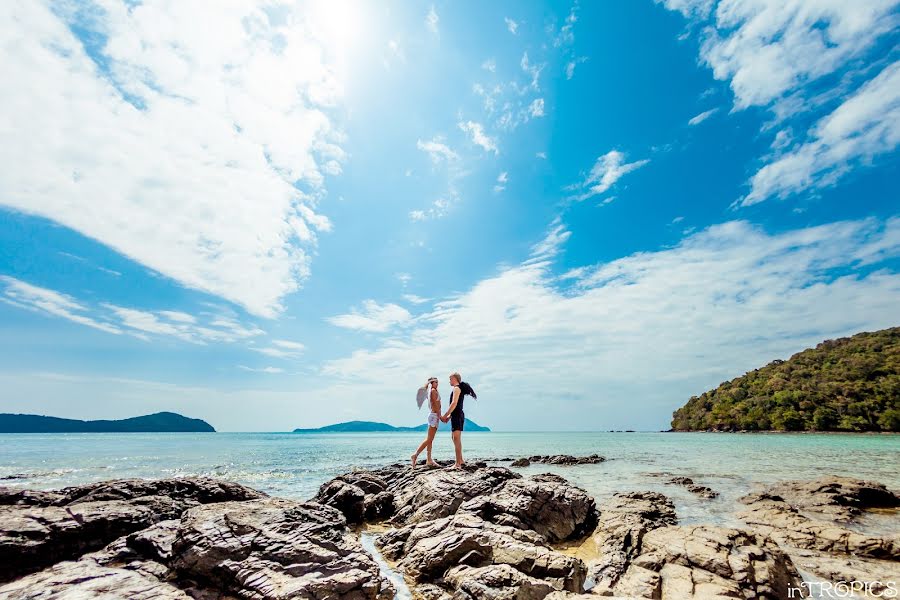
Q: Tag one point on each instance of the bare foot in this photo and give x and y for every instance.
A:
(431, 463)
(415, 459)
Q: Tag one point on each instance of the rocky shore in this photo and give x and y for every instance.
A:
(483, 533)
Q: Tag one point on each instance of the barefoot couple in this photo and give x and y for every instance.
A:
(454, 414)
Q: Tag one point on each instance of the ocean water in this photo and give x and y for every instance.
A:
(295, 465)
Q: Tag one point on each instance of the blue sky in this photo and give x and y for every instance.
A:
(285, 214)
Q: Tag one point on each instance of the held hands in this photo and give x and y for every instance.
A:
(444, 419)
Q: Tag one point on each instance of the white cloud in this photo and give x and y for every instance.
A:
(863, 126)
(566, 34)
(502, 178)
(767, 48)
(541, 155)
(632, 339)
(608, 169)
(533, 70)
(289, 345)
(786, 56)
(489, 65)
(116, 319)
(536, 109)
(30, 297)
(437, 150)
(403, 278)
(697, 119)
(511, 25)
(431, 20)
(475, 131)
(414, 299)
(270, 370)
(177, 315)
(182, 150)
(372, 317)
(417, 215)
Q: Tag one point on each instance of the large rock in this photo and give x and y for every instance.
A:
(41, 528)
(772, 515)
(32, 537)
(79, 580)
(424, 495)
(361, 497)
(274, 548)
(545, 503)
(704, 561)
(624, 520)
(496, 582)
(189, 490)
(258, 549)
(428, 550)
(833, 498)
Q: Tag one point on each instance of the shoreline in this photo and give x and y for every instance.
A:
(437, 529)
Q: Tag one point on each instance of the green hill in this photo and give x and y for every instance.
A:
(847, 384)
(157, 422)
(373, 427)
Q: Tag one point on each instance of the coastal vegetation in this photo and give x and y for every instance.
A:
(847, 384)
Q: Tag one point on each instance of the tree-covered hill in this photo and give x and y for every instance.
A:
(847, 384)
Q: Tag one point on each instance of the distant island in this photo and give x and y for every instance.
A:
(157, 422)
(847, 384)
(373, 427)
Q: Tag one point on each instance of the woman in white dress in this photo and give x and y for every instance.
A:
(434, 399)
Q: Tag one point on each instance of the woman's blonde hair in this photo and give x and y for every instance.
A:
(457, 375)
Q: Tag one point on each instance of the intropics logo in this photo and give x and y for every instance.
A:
(844, 589)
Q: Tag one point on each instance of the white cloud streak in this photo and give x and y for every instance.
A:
(863, 126)
(476, 134)
(608, 169)
(437, 150)
(372, 317)
(431, 20)
(697, 119)
(111, 318)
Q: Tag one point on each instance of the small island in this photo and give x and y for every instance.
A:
(847, 384)
(375, 427)
(158, 422)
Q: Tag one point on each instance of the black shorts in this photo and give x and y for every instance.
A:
(457, 420)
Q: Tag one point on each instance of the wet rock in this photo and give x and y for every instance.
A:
(835, 498)
(428, 550)
(700, 490)
(275, 548)
(545, 503)
(703, 491)
(521, 462)
(772, 515)
(32, 537)
(567, 459)
(85, 579)
(624, 520)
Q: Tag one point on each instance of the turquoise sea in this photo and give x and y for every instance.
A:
(294, 465)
